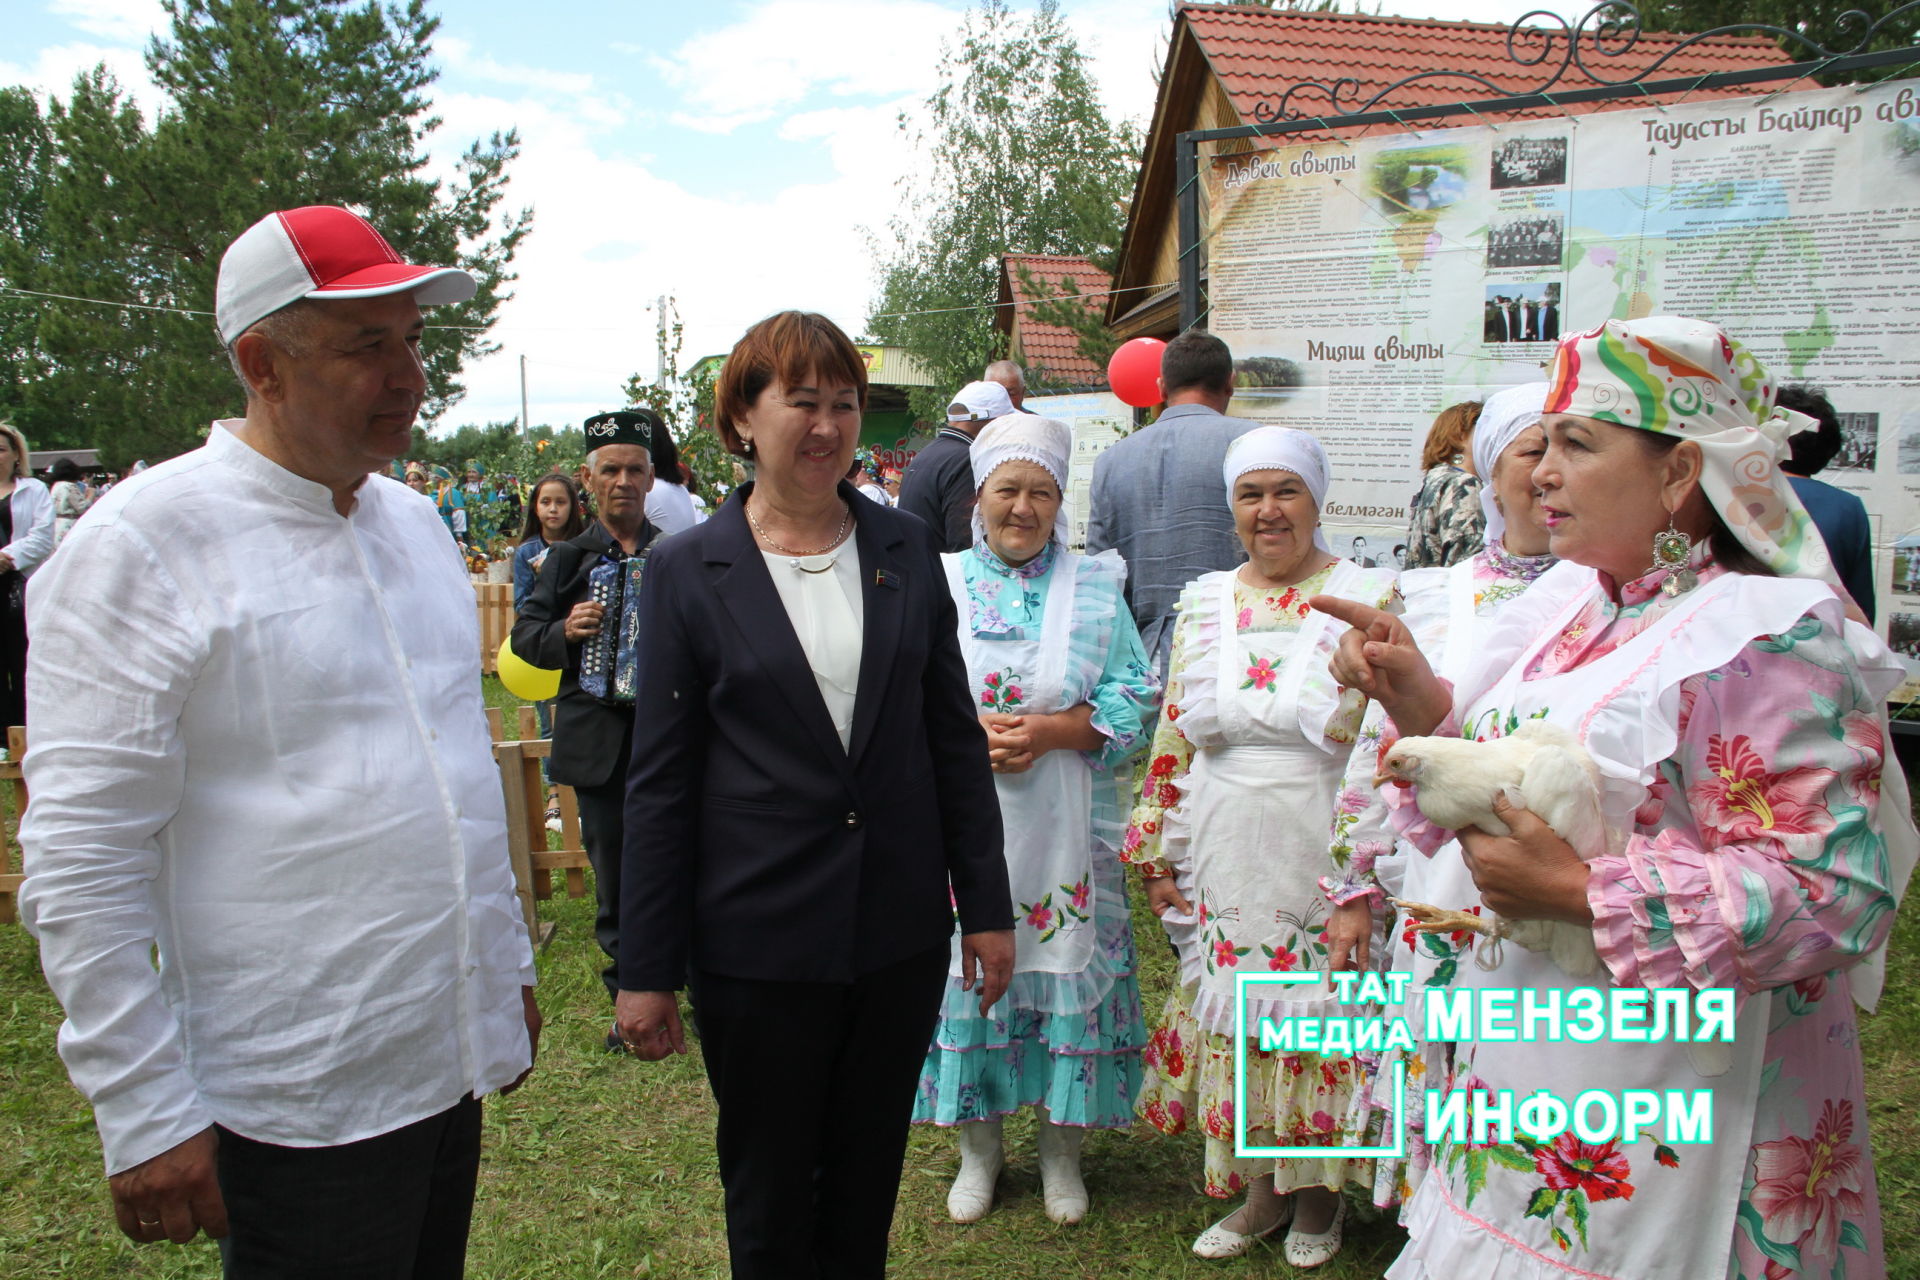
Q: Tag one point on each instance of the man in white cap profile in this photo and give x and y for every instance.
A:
(938, 485)
(259, 752)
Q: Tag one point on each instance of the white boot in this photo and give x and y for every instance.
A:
(981, 1158)
(1066, 1193)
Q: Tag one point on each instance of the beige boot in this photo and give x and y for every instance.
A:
(981, 1158)
(1060, 1181)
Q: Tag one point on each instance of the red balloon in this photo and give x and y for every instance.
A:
(1134, 372)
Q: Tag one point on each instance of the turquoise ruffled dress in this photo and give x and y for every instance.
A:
(1068, 1041)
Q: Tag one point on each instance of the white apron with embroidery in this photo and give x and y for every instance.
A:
(1624, 706)
(1047, 811)
(1249, 840)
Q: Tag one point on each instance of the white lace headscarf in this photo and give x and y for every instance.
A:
(1281, 449)
(1024, 437)
(1504, 416)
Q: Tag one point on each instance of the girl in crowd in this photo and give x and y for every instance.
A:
(1735, 714)
(1064, 691)
(26, 540)
(555, 513)
(1242, 801)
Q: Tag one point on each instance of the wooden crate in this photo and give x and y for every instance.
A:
(495, 602)
(526, 793)
(11, 859)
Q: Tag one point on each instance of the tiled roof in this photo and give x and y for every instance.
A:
(1051, 351)
(1260, 53)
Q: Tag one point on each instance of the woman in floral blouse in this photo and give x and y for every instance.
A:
(1064, 689)
(1735, 713)
(1445, 524)
(1243, 798)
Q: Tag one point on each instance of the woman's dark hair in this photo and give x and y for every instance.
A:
(1728, 551)
(576, 516)
(788, 345)
(63, 469)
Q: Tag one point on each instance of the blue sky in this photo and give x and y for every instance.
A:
(730, 154)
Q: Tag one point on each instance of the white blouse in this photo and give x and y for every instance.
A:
(828, 616)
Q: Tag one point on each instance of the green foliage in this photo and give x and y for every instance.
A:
(1023, 160)
(273, 104)
(1820, 21)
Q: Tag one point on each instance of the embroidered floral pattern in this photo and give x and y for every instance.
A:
(1260, 674)
(1808, 1192)
(1001, 691)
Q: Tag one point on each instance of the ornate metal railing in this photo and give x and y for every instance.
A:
(1609, 30)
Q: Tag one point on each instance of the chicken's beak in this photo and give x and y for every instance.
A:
(1381, 778)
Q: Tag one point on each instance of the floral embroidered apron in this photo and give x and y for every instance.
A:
(1609, 1211)
(1255, 821)
(1047, 811)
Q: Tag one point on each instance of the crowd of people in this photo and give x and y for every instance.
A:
(874, 781)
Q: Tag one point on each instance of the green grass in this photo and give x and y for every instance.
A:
(603, 1167)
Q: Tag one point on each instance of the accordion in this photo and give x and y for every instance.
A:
(607, 660)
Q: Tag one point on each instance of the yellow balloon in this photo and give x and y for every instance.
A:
(522, 678)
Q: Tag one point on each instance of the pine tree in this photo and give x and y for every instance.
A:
(271, 104)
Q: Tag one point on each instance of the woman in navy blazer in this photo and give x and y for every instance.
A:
(808, 781)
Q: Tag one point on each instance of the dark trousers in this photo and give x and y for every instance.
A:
(13, 652)
(394, 1207)
(815, 1084)
(602, 829)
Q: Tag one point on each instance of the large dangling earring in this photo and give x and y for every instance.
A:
(1671, 549)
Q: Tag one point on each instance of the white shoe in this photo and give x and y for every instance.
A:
(1221, 1241)
(1060, 1181)
(1318, 1249)
(981, 1159)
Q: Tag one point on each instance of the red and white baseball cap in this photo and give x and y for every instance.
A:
(321, 251)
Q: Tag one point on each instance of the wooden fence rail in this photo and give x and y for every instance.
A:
(533, 862)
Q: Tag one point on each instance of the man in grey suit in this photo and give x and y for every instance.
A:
(1158, 498)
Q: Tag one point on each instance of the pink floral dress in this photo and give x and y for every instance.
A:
(1246, 799)
(1738, 734)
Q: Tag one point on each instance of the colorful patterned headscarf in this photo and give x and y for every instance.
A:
(1687, 378)
(1281, 449)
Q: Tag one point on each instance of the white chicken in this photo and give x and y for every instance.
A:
(1540, 767)
(1543, 768)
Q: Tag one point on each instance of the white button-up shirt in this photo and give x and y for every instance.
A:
(259, 747)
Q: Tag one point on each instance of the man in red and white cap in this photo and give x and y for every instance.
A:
(259, 752)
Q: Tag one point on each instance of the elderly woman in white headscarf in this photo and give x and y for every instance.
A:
(1064, 690)
(1240, 819)
(1762, 839)
(1449, 611)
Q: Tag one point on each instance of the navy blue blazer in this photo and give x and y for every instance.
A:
(756, 847)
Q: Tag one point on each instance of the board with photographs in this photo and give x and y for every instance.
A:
(1394, 275)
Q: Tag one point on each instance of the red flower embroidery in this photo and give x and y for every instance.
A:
(1600, 1171)
(1283, 960)
(1223, 957)
(1740, 798)
(1081, 893)
(1805, 1190)
(1040, 916)
(1260, 676)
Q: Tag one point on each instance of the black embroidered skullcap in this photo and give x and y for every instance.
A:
(623, 426)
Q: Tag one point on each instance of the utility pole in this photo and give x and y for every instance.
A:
(525, 425)
(660, 368)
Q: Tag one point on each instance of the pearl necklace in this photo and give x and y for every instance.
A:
(839, 536)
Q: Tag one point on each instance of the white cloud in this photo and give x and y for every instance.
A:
(787, 50)
(53, 71)
(122, 21)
